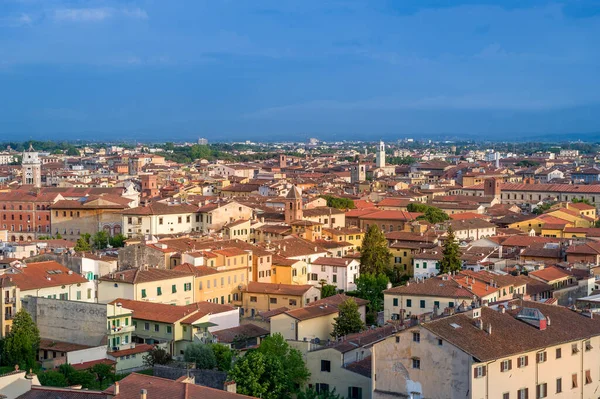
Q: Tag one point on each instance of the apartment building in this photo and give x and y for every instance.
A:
(50, 279)
(262, 297)
(159, 218)
(10, 303)
(475, 355)
(216, 285)
(151, 285)
(340, 272)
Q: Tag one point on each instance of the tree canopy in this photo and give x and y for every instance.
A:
(348, 320)
(157, 355)
(272, 371)
(201, 354)
(22, 342)
(374, 253)
(450, 262)
(328, 290)
(370, 287)
(338, 203)
(430, 213)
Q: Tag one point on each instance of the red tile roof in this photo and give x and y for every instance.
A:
(165, 313)
(43, 275)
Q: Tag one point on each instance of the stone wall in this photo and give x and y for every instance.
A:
(134, 256)
(208, 378)
(76, 322)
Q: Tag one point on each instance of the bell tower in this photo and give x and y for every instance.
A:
(380, 155)
(293, 205)
(31, 168)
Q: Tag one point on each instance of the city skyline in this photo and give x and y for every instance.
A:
(268, 70)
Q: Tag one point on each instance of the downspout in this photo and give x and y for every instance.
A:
(487, 379)
(582, 380)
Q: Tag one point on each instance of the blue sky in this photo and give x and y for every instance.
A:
(233, 69)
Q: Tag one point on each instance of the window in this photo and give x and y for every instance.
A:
(326, 366)
(273, 300)
(506, 395)
(395, 300)
(409, 303)
(574, 349)
(334, 278)
(159, 291)
(558, 385)
(321, 388)
(416, 363)
(523, 393)
(397, 339)
(187, 286)
(169, 329)
(574, 381)
(252, 299)
(354, 393)
(588, 345)
(479, 372)
(440, 342)
(436, 304)
(558, 353)
(416, 337)
(422, 304)
(541, 391)
(505, 365)
(160, 220)
(523, 361)
(173, 289)
(79, 295)
(541, 357)
(588, 377)
(450, 304)
(178, 219)
(144, 293)
(293, 302)
(156, 328)
(147, 326)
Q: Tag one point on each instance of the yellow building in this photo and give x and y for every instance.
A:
(10, 303)
(288, 271)
(216, 286)
(352, 235)
(262, 297)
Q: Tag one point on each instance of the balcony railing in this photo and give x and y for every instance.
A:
(120, 330)
(8, 316)
(10, 300)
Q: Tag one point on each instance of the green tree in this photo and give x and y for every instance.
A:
(117, 241)
(156, 355)
(100, 240)
(83, 243)
(72, 152)
(338, 202)
(260, 375)
(296, 373)
(370, 287)
(348, 320)
(430, 213)
(450, 262)
(103, 372)
(84, 378)
(374, 253)
(52, 378)
(22, 342)
(66, 370)
(581, 201)
(224, 356)
(202, 355)
(328, 290)
(312, 394)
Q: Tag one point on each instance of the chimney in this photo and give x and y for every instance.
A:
(143, 394)
(116, 393)
(230, 386)
(489, 328)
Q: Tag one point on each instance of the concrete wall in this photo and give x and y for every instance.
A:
(68, 321)
(86, 355)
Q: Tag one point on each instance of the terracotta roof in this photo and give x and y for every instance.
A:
(552, 188)
(277, 289)
(549, 274)
(199, 271)
(138, 348)
(362, 367)
(510, 335)
(336, 300)
(435, 286)
(337, 262)
(137, 276)
(41, 392)
(166, 313)
(311, 312)
(130, 387)
(391, 215)
(159, 208)
(92, 363)
(44, 274)
(249, 330)
(61, 346)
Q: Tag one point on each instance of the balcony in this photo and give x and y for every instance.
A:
(120, 330)
(10, 300)
(8, 316)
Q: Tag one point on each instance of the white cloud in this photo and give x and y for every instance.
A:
(16, 21)
(83, 14)
(97, 14)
